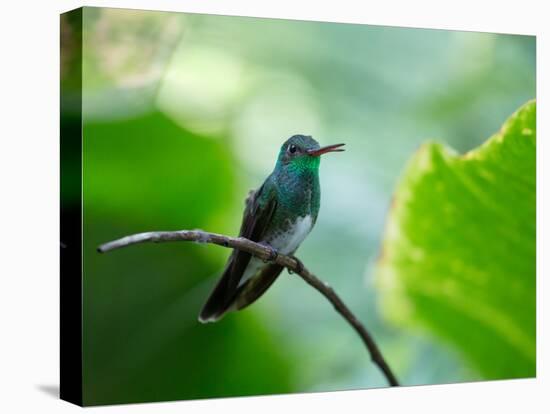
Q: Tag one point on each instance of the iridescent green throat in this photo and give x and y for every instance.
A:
(297, 183)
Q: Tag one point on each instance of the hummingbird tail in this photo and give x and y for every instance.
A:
(218, 302)
(212, 312)
(209, 318)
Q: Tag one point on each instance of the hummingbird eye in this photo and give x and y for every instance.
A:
(292, 149)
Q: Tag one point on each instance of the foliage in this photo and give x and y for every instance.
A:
(458, 256)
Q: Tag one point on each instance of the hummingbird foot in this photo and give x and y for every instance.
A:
(273, 254)
(299, 265)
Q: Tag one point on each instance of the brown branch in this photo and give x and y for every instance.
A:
(264, 253)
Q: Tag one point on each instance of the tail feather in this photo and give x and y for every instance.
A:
(218, 301)
(256, 286)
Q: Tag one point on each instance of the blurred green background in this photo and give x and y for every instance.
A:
(183, 114)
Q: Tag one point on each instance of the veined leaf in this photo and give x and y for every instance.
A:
(459, 249)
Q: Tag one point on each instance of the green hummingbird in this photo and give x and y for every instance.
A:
(280, 214)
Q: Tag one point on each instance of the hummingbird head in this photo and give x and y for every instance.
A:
(303, 152)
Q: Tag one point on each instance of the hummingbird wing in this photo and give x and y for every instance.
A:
(256, 219)
(255, 287)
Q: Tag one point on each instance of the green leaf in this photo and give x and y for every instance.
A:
(458, 253)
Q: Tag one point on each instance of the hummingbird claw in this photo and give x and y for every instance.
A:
(272, 253)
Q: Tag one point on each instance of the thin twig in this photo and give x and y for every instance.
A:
(264, 253)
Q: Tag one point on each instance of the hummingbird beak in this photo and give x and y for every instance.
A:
(324, 150)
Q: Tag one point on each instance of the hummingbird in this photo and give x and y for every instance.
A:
(279, 215)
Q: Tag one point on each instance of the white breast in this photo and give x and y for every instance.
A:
(289, 241)
(284, 243)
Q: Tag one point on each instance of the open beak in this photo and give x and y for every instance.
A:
(324, 150)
